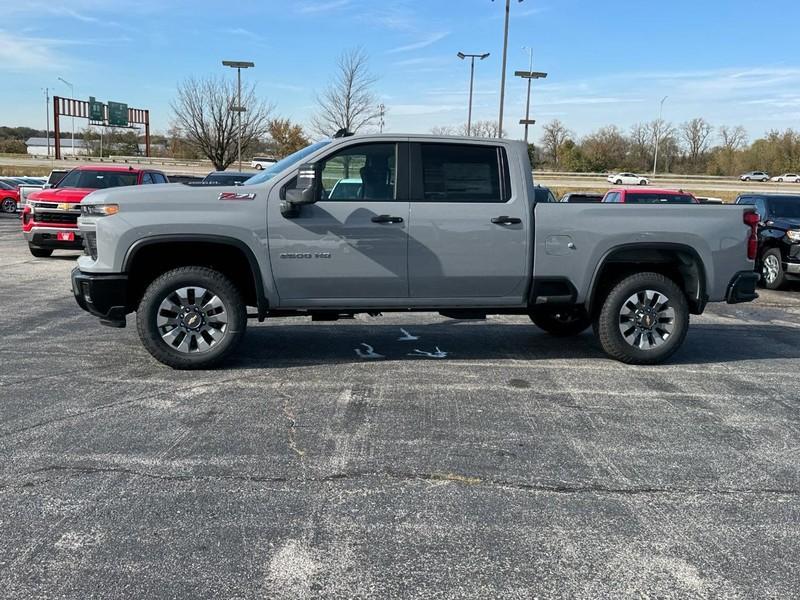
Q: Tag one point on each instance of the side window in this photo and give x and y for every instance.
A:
(146, 178)
(461, 173)
(550, 197)
(613, 197)
(364, 172)
(761, 208)
(159, 178)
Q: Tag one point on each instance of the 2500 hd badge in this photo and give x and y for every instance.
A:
(305, 255)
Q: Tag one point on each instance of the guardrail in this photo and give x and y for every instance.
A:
(668, 176)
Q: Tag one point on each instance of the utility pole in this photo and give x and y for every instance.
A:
(658, 133)
(47, 116)
(529, 75)
(239, 65)
(382, 109)
(472, 58)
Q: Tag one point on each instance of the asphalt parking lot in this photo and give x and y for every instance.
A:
(502, 464)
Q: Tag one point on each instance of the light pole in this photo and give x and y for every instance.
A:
(72, 93)
(503, 74)
(658, 133)
(239, 65)
(529, 75)
(47, 117)
(472, 58)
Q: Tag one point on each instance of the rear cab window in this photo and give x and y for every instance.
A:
(644, 198)
(463, 173)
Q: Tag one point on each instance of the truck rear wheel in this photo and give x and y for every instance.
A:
(191, 318)
(643, 320)
(564, 322)
(772, 269)
(40, 252)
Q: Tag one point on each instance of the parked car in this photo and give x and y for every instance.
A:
(582, 197)
(261, 162)
(346, 188)
(627, 179)
(55, 176)
(543, 194)
(650, 196)
(50, 216)
(787, 177)
(709, 200)
(778, 256)
(455, 235)
(189, 179)
(225, 178)
(754, 176)
(9, 197)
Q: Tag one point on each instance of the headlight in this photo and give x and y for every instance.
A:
(99, 210)
(793, 235)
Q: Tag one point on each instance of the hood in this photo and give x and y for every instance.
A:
(70, 195)
(175, 196)
(786, 222)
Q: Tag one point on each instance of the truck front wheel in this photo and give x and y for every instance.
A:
(643, 320)
(191, 318)
(564, 322)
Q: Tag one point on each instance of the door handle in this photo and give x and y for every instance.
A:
(504, 220)
(386, 219)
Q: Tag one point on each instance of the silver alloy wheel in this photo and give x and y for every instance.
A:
(192, 319)
(771, 268)
(9, 206)
(646, 319)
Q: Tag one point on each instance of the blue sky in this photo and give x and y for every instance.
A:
(732, 62)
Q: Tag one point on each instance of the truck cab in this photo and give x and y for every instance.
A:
(377, 223)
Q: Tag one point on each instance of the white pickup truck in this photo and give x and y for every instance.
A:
(432, 223)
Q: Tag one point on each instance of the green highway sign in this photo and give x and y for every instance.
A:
(96, 112)
(117, 114)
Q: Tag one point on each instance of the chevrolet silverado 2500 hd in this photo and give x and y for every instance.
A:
(437, 224)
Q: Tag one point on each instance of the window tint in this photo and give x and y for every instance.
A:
(146, 178)
(612, 197)
(159, 178)
(786, 208)
(461, 173)
(97, 180)
(363, 172)
(745, 200)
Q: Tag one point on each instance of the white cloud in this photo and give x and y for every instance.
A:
(424, 43)
(309, 8)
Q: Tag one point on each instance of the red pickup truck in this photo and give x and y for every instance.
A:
(50, 218)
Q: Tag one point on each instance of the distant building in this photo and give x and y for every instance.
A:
(37, 146)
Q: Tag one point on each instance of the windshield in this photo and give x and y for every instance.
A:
(285, 163)
(97, 180)
(785, 208)
(634, 198)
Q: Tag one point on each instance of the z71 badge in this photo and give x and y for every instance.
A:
(235, 196)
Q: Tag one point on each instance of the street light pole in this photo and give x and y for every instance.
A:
(72, 93)
(503, 73)
(658, 133)
(472, 58)
(529, 75)
(239, 65)
(47, 117)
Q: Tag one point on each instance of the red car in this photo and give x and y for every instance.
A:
(50, 218)
(649, 196)
(9, 197)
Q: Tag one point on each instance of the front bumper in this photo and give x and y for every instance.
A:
(742, 287)
(47, 237)
(104, 296)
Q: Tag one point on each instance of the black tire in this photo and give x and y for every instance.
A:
(618, 182)
(562, 323)
(164, 288)
(40, 252)
(8, 205)
(259, 167)
(611, 321)
(642, 182)
(772, 274)
(780, 179)
(747, 179)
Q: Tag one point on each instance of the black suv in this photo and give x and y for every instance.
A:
(778, 236)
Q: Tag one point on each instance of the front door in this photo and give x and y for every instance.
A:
(469, 229)
(352, 243)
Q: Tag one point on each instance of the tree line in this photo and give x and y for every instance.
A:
(692, 147)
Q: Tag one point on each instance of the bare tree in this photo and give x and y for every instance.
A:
(640, 146)
(486, 129)
(348, 102)
(555, 134)
(733, 138)
(203, 113)
(695, 134)
(444, 130)
(605, 149)
(662, 133)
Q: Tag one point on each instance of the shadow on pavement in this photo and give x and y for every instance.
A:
(307, 345)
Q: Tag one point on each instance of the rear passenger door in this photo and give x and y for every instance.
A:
(468, 226)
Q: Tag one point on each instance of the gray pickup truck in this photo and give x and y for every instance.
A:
(418, 223)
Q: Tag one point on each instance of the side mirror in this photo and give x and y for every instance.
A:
(306, 192)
